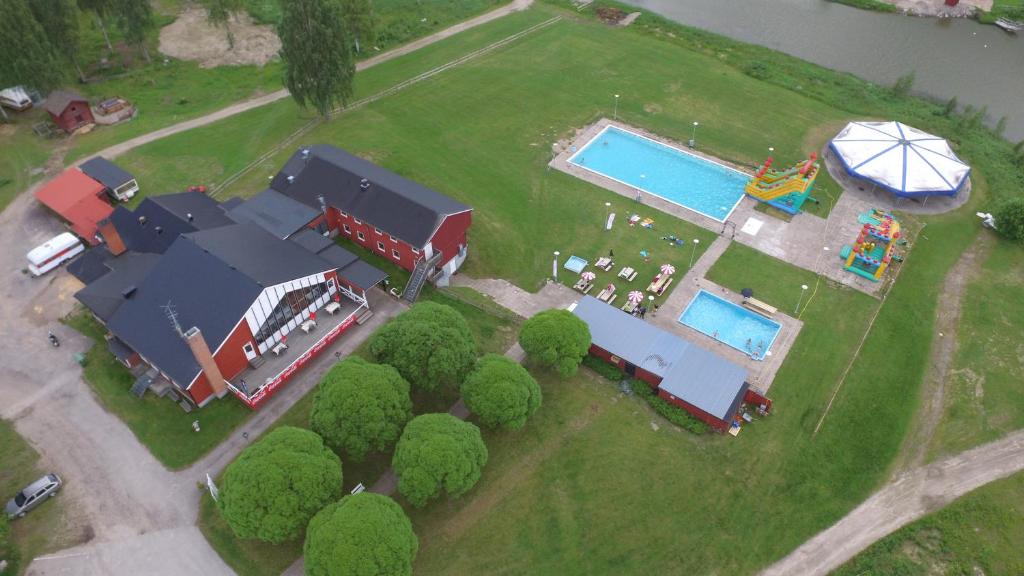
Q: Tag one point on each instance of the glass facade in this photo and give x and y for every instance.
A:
(291, 305)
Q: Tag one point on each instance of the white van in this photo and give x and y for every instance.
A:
(15, 98)
(53, 253)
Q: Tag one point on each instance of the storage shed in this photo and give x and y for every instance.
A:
(69, 110)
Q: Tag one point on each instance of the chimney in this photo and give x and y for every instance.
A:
(111, 236)
(364, 184)
(204, 357)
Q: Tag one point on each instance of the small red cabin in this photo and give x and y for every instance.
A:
(69, 110)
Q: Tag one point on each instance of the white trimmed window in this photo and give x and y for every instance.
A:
(392, 238)
(397, 255)
(380, 246)
(360, 236)
(377, 231)
(357, 220)
(347, 229)
(343, 213)
(415, 251)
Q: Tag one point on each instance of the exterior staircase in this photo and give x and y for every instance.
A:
(419, 277)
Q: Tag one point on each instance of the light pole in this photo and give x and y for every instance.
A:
(607, 214)
(693, 252)
(693, 135)
(803, 288)
(771, 150)
(554, 266)
(615, 115)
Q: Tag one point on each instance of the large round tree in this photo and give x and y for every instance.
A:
(365, 534)
(438, 452)
(556, 338)
(430, 344)
(360, 407)
(276, 485)
(501, 392)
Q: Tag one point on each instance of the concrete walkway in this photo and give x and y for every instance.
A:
(523, 303)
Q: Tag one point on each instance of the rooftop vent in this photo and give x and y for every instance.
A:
(189, 216)
(305, 153)
(291, 179)
(364, 184)
(128, 292)
(159, 229)
(142, 220)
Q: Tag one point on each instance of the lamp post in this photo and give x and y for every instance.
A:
(771, 150)
(693, 135)
(803, 289)
(615, 115)
(693, 252)
(554, 266)
(607, 215)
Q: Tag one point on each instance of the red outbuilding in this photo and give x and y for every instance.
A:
(78, 200)
(69, 110)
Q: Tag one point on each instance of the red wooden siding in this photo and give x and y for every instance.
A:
(450, 235)
(701, 415)
(76, 114)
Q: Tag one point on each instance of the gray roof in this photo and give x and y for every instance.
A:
(58, 100)
(689, 372)
(91, 265)
(405, 209)
(105, 295)
(166, 217)
(362, 274)
(106, 172)
(275, 213)
(312, 240)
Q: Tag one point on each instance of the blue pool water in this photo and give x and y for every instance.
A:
(734, 325)
(677, 176)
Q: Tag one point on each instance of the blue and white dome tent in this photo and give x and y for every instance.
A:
(902, 159)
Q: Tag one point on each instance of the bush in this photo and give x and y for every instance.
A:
(361, 534)
(430, 344)
(667, 410)
(1010, 218)
(276, 485)
(438, 452)
(556, 338)
(501, 392)
(604, 369)
(361, 407)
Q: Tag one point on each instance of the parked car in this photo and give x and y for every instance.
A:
(33, 495)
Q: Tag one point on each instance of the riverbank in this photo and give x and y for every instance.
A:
(985, 11)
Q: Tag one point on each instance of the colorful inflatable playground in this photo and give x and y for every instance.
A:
(872, 253)
(786, 190)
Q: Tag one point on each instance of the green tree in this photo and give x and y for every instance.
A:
(360, 407)
(430, 344)
(28, 57)
(1010, 218)
(134, 19)
(218, 13)
(59, 19)
(501, 392)
(438, 452)
(360, 22)
(361, 535)
(100, 9)
(556, 338)
(276, 485)
(319, 68)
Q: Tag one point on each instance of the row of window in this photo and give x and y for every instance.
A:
(376, 230)
(380, 245)
(291, 305)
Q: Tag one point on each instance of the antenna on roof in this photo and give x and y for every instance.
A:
(172, 315)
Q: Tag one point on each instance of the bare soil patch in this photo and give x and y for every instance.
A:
(192, 37)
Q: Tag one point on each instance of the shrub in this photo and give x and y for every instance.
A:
(603, 369)
(430, 344)
(361, 534)
(438, 452)
(556, 338)
(1010, 218)
(361, 407)
(666, 409)
(276, 485)
(501, 392)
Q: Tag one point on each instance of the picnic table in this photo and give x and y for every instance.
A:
(660, 283)
(605, 264)
(628, 273)
(583, 286)
(332, 308)
(608, 294)
(308, 326)
(279, 348)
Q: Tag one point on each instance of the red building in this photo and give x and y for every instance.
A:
(78, 200)
(69, 110)
(413, 226)
(701, 382)
(211, 299)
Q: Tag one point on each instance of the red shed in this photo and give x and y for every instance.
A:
(69, 110)
(79, 200)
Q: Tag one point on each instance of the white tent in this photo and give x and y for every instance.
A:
(900, 158)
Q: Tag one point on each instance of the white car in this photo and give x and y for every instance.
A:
(33, 495)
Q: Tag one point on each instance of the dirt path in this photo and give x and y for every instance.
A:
(944, 346)
(246, 105)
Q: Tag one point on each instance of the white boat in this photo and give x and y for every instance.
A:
(1010, 25)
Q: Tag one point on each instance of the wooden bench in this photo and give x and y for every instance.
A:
(660, 284)
(760, 307)
(629, 306)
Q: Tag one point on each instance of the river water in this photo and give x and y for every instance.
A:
(979, 64)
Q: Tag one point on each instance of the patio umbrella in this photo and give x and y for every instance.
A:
(747, 292)
(668, 269)
(588, 276)
(635, 296)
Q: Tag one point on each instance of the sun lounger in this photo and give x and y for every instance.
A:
(760, 307)
(628, 273)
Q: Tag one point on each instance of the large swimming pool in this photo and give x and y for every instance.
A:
(690, 181)
(734, 325)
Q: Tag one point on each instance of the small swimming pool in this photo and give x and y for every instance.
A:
(728, 323)
(682, 178)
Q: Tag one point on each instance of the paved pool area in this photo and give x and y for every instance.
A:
(731, 324)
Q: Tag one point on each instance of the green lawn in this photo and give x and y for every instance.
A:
(980, 533)
(24, 155)
(42, 530)
(161, 425)
(494, 332)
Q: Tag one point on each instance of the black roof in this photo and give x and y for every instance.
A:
(362, 274)
(312, 240)
(104, 296)
(165, 218)
(338, 256)
(403, 208)
(91, 265)
(106, 172)
(200, 210)
(275, 213)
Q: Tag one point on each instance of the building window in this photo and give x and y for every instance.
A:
(343, 213)
(360, 236)
(291, 305)
(415, 251)
(393, 239)
(357, 221)
(347, 229)
(380, 246)
(377, 231)
(396, 254)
